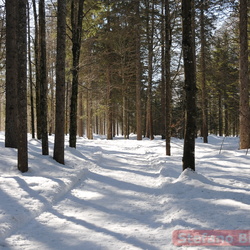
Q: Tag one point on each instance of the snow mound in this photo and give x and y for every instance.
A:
(189, 175)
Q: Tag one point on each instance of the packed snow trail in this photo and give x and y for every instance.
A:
(121, 194)
(115, 207)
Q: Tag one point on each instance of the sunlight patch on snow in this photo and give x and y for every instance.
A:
(232, 203)
(87, 195)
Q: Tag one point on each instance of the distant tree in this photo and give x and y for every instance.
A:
(37, 70)
(190, 84)
(11, 139)
(22, 86)
(244, 77)
(32, 112)
(150, 26)
(76, 29)
(138, 71)
(60, 82)
(203, 72)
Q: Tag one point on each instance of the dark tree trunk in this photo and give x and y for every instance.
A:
(190, 84)
(109, 105)
(167, 77)
(80, 127)
(90, 113)
(60, 82)
(220, 114)
(11, 139)
(31, 82)
(244, 78)
(76, 25)
(163, 72)
(150, 36)
(37, 64)
(43, 79)
(203, 75)
(22, 86)
(138, 73)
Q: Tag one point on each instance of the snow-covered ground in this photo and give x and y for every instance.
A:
(121, 194)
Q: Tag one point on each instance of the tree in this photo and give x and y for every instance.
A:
(60, 82)
(22, 86)
(203, 73)
(37, 69)
(167, 79)
(32, 113)
(76, 29)
(190, 84)
(11, 75)
(244, 78)
(150, 41)
(138, 71)
(43, 79)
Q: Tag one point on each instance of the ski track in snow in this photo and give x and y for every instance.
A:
(121, 194)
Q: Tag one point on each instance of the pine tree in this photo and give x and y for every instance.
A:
(244, 78)
(43, 79)
(190, 84)
(11, 75)
(60, 82)
(76, 29)
(22, 86)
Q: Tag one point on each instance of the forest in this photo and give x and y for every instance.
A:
(171, 68)
(124, 124)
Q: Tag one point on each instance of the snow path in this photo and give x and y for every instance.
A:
(117, 205)
(121, 194)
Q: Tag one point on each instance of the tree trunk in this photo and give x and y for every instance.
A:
(138, 73)
(190, 84)
(37, 64)
(203, 75)
(11, 135)
(22, 87)
(43, 79)
(60, 82)
(76, 25)
(244, 78)
(109, 105)
(31, 82)
(80, 127)
(220, 114)
(90, 114)
(167, 77)
(150, 36)
(163, 70)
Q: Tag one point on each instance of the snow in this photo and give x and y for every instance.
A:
(121, 194)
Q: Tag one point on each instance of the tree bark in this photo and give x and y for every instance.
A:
(244, 78)
(138, 73)
(80, 126)
(150, 35)
(43, 79)
(190, 84)
(109, 105)
(22, 87)
(60, 82)
(203, 75)
(11, 75)
(31, 82)
(37, 65)
(76, 25)
(163, 70)
(167, 77)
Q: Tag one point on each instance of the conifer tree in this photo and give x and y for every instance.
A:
(190, 84)
(22, 86)
(60, 82)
